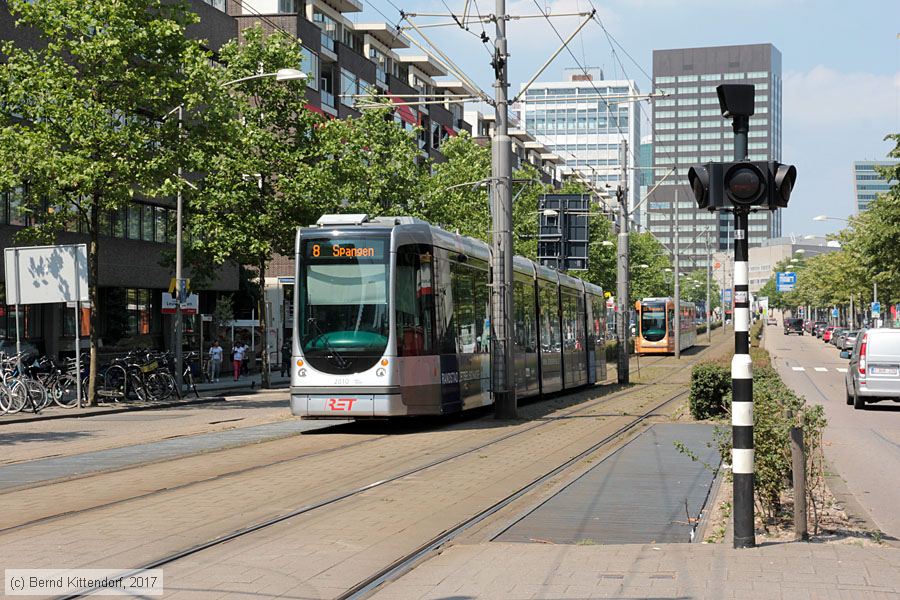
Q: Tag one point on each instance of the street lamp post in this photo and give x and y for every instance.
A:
(180, 283)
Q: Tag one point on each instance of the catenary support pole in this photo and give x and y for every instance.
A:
(741, 368)
(179, 288)
(677, 285)
(501, 164)
(622, 292)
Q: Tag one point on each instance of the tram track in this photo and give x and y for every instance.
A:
(406, 562)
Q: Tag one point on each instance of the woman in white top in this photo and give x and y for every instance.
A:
(237, 357)
(215, 360)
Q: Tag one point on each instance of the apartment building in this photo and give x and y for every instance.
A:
(346, 59)
(525, 148)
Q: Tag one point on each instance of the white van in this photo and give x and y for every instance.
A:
(874, 370)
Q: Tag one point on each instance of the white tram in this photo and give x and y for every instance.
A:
(392, 317)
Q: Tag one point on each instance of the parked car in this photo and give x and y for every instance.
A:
(835, 335)
(874, 370)
(848, 339)
(819, 328)
(792, 325)
(826, 334)
(771, 321)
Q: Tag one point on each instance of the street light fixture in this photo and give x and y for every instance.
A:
(827, 218)
(180, 288)
(550, 213)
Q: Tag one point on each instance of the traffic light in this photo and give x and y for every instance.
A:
(744, 184)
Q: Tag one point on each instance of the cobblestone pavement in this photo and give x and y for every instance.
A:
(61, 437)
(500, 571)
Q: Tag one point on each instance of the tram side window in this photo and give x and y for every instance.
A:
(446, 314)
(525, 324)
(482, 311)
(471, 299)
(464, 308)
(580, 309)
(550, 338)
(573, 319)
(415, 301)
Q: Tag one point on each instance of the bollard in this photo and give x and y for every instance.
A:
(798, 460)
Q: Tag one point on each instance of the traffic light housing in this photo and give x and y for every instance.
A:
(750, 185)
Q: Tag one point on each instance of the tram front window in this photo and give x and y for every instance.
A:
(344, 303)
(653, 322)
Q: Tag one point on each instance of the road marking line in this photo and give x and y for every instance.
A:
(821, 369)
(798, 368)
(841, 370)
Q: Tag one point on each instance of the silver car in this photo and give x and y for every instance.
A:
(847, 341)
(873, 373)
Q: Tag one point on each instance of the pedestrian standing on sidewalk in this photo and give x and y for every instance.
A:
(237, 358)
(215, 361)
(286, 357)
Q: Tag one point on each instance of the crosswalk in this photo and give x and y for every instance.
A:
(821, 369)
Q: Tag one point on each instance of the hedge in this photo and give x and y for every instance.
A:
(710, 384)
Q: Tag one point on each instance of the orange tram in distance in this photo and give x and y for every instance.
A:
(656, 325)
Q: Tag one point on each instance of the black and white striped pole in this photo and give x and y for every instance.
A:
(742, 392)
(741, 187)
(741, 366)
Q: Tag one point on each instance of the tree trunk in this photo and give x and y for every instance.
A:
(94, 295)
(264, 319)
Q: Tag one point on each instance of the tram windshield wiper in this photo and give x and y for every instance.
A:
(331, 353)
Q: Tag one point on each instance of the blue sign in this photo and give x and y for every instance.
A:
(785, 281)
(834, 313)
(876, 310)
(726, 296)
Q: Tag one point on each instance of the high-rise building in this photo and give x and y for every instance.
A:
(645, 173)
(868, 182)
(688, 129)
(584, 120)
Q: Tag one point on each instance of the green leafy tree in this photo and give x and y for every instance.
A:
(455, 195)
(265, 179)
(653, 280)
(373, 166)
(81, 116)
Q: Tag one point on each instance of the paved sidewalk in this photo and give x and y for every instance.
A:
(209, 392)
(62, 467)
(506, 571)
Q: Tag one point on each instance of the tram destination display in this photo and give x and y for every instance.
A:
(344, 249)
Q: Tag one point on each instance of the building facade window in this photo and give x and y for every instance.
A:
(309, 64)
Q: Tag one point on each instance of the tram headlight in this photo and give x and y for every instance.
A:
(380, 372)
(301, 373)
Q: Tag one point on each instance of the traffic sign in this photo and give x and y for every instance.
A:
(785, 281)
(835, 313)
(876, 310)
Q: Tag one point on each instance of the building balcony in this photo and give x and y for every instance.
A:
(344, 6)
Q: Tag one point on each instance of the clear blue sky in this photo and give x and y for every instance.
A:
(841, 63)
